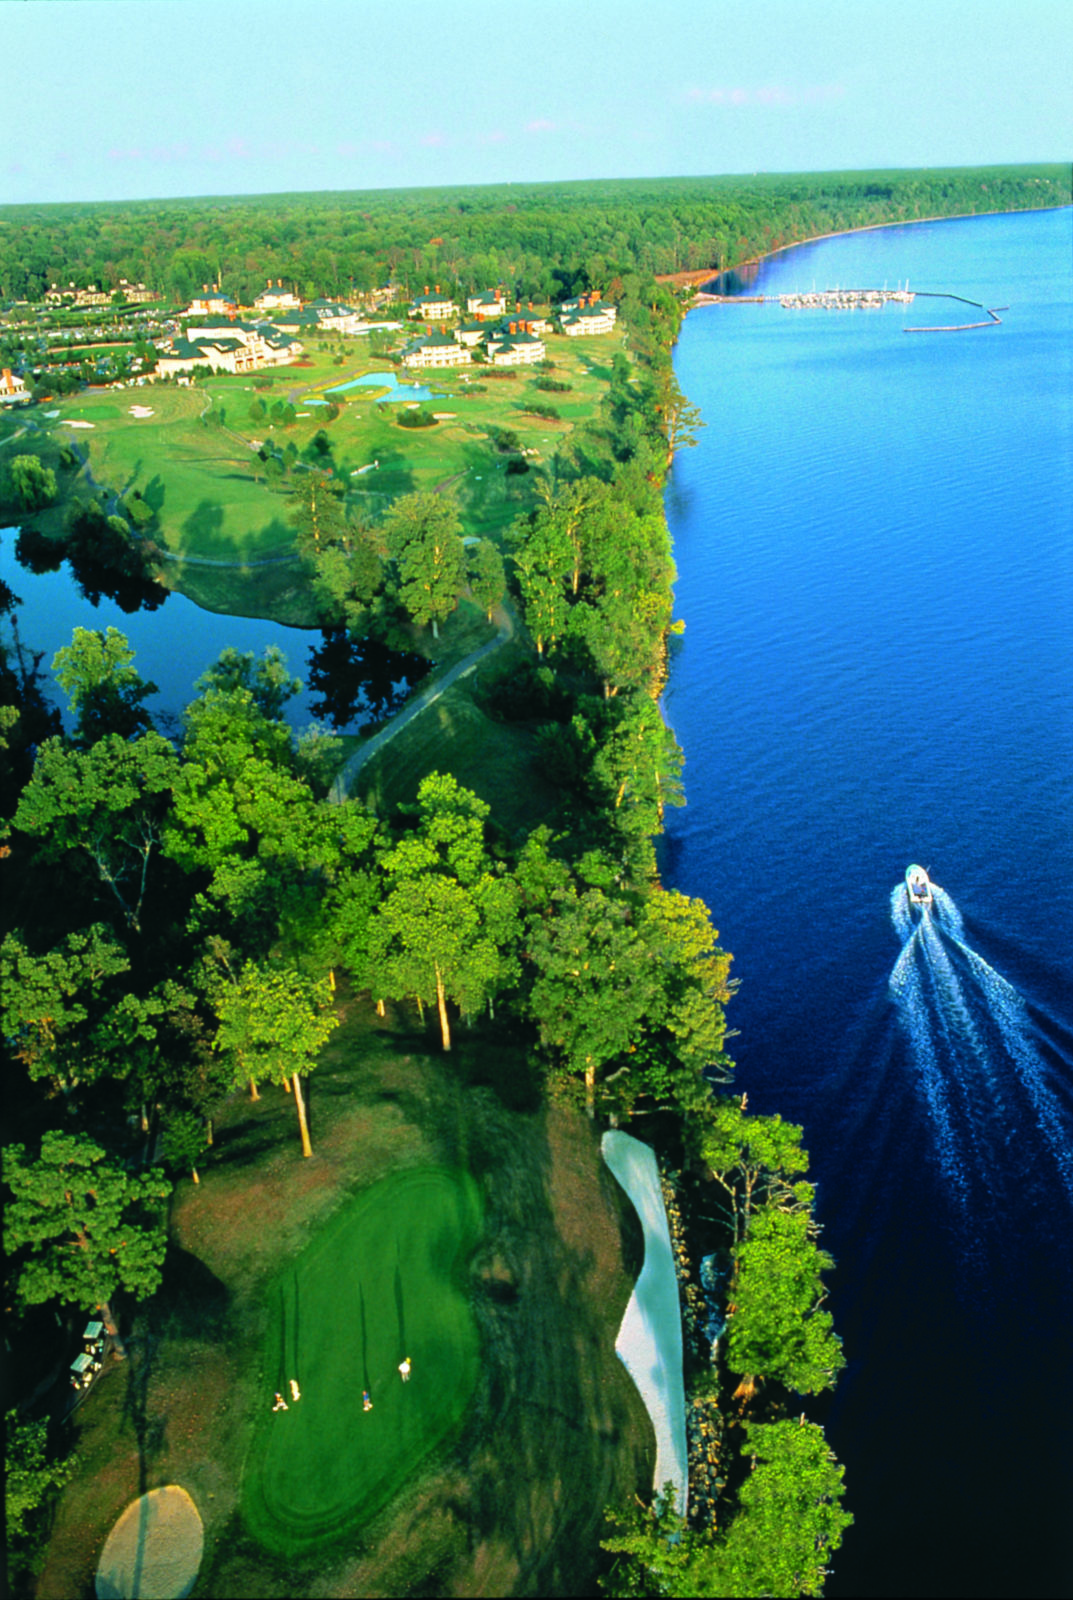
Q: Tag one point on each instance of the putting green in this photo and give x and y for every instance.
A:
(385, 1279)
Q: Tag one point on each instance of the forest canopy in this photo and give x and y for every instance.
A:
(545, 240)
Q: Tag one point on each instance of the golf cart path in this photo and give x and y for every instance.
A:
(649, 1341)
(347, 774)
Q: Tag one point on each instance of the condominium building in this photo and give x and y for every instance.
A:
(435, 350)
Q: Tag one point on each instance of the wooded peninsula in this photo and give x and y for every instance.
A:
(272, 1002)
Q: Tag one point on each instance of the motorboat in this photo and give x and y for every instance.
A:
(919, 887)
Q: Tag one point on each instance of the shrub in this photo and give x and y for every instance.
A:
(417, 419)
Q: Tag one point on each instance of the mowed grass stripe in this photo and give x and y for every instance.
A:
(385, 1279)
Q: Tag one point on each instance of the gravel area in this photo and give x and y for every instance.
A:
(649, 1341)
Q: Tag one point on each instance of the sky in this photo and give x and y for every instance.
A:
(126, 99)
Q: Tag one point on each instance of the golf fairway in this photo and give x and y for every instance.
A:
(384, 1279)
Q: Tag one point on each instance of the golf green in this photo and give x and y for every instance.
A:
(384, 1280)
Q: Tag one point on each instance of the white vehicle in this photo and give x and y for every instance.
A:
(918, 887)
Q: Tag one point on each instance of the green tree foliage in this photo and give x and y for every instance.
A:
(81, 1228)
(29, 484)
(31, 1474)
(752, 1158)
(319, 514)
(105, 806)
(789, 1522)
(349, 575)
(778, 1331)
(487, 576)
(683, 1050)
(274, 1022)
(447, 926)
(267, 680)
(52, 1006)
(105, 692)
(593, 989)
(639, 766)
(423, 533)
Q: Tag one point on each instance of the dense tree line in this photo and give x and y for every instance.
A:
(543, 240)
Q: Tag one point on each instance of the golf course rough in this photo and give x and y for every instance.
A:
(384, 1280)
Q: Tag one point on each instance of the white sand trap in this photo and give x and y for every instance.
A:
(444, 416)
(70, 424)
(154, 1551)
(141, 411)
(649, 1342)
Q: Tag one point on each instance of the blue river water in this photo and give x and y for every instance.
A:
(873, 541)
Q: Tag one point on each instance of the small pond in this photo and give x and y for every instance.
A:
(399, 393)
(346, 684)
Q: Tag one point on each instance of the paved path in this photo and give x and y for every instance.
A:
(347, 774)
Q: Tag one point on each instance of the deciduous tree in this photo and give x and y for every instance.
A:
(81, 1228)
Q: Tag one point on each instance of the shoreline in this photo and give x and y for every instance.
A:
(868, 227)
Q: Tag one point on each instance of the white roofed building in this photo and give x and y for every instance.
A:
(489, 304)
(435, 350)
(13, 390)
(433, 307)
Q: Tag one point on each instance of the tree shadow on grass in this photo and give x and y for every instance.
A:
(204, 525)
(150, 1432)
(191, 1302)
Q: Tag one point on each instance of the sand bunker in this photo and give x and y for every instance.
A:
(141, 411)
(444, 416)
(154, 1551)
(649, 1342)
(69, 424)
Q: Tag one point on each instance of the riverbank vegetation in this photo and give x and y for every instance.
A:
(238, 1002)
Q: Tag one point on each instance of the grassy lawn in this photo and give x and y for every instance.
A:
(385, 1280)
(512, 1502)
(500, 762)
(202, 480)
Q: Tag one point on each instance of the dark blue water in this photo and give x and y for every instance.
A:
(873, 539)
(345, 685)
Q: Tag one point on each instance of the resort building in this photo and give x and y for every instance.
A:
(511, 346)
(595, 320)
(433, 307)
(13, 390)
(471, 333)
(228, 345)
(435, 350)
(336, 318)
(587, 314)
(489, 304)
(211, 303)
(276, 299)
(532, 321)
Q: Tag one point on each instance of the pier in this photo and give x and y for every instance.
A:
(958, 327)
(845, 299)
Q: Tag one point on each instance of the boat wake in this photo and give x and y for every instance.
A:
(992, 1080)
